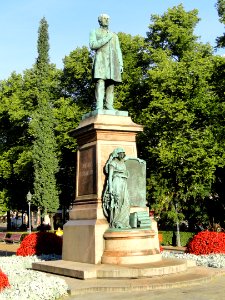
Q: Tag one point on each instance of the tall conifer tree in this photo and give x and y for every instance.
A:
(44, 147)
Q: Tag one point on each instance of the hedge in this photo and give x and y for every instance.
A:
(169, 238)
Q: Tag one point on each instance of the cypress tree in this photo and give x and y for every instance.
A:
(44, 147)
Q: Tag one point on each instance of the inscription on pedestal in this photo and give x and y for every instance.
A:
(136, 182)
(87, 171)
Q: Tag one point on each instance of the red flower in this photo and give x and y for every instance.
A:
(4, 281)
(207, 242)
(40, 243)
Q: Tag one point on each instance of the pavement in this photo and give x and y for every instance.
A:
(197, 283)
(213, 290)
(8, 249)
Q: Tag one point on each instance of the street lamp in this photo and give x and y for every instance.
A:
(178, 226)
(29, 196)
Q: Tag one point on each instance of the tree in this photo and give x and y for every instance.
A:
(73, 99)
(178, 114)
(76, 80)
(42, 125)
(217, 199)
(15, 153)
(173, 31)
(129, 95)
(220, 5)
(172, 85)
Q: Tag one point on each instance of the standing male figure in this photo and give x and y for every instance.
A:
(108, 62)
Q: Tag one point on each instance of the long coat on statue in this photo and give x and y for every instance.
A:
(108, 57)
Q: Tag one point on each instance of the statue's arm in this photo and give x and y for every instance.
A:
(110, 178)
(95, 43)
(120, 57)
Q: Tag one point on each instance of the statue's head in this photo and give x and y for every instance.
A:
(103, 19)
(119, 152)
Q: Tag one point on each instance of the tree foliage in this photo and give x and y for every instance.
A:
(42, 125)
(220, 5)
(179, 114)
(15, 147)
(76, 80)
(172, 84)
(173, 31)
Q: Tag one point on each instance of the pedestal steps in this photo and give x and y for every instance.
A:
(90, 271)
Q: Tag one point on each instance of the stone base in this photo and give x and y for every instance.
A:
(135, 246)
(82, 240)
(100, 271)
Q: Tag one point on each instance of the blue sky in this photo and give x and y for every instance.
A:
(70, 22)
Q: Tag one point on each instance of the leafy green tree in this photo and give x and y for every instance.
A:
(76, 80)
(172, 84)
(42, 125)
(216, 202)
(130, 94)
(179, 116)
(74, 99)
(15, 152)
(173, 31)
(3, 202)
(67, 115)
(220, 5)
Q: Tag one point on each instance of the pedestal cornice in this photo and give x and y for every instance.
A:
(103, 122)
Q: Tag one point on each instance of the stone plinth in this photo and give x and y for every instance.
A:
(135, 246)
(97, 136)
(106, 271)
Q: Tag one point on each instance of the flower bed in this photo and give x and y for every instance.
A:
(40, 243)
(207, 242)
(211, 260)
(29, 284)
(4, 281)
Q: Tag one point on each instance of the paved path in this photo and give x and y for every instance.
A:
(213, 290)
(8, 249)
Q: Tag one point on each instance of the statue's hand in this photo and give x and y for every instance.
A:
(141, 161)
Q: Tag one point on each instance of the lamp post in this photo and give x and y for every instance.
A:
(178, 227)
(29, 196)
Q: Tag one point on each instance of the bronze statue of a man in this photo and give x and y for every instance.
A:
(108, 62)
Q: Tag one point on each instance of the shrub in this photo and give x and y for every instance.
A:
(206, 242)
(4, 282)
(185, 237)
(43, 227)
(169, 237)
(23, 227)
(40, 243)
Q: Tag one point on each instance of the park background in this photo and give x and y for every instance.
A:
(173, 85)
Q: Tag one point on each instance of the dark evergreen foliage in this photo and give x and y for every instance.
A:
(44, 147)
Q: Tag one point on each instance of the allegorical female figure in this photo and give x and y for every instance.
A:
(116, 204)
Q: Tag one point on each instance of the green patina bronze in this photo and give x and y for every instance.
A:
(107, 64)
(136, 182)
(116, 205)
(116, 199)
